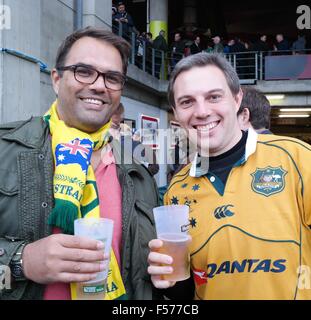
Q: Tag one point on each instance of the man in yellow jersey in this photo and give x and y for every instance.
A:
(250, 207)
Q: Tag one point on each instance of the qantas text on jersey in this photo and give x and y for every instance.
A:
(247, 265)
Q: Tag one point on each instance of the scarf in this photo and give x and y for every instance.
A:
(74, 185)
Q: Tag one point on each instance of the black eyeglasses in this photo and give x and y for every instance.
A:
(87, 75)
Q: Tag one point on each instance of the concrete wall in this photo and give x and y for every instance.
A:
(58, 18)
(97, 13)
(58, 22)
(20, 78)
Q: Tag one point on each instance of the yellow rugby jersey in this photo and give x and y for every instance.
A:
(250, 237)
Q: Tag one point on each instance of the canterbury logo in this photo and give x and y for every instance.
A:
(223, 211)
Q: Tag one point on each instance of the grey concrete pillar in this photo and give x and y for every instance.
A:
(19, 78)
(158, 16)
(97, 13)
(57, 24)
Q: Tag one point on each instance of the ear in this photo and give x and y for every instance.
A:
(246, 115)
(55, 80)
(238, 99)
(243, 119)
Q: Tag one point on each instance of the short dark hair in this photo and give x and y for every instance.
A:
(97, 33)
(202, 60)
(259, 107)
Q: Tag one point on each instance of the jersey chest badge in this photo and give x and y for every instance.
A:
(269, 180)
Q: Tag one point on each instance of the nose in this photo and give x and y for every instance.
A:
(201, 110)
(99, 84)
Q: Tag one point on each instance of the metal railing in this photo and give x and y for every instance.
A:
(249, 65)
(143, 55)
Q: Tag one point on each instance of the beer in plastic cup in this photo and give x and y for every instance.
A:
(100, 229)
(172, 223)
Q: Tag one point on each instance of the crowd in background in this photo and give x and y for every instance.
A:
(151, 49)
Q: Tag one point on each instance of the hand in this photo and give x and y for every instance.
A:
(63, 258)
(157, 268)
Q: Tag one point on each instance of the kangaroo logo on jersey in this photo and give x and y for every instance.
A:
(200, 276)
(223, 211)
(269, 180)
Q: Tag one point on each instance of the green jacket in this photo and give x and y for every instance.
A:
(26, 199)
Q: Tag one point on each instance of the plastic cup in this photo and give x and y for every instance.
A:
(172, 224)
(100, 229)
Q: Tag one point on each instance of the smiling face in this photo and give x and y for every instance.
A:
(204, 105)
(87, 107)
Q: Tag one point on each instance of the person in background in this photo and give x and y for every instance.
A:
(254, 111)
(123, 20)
(261, 44)
(218, 47)
(149, 46)
(144, 154)
(177, 50)
(116, 120)
(299, 45)
(160, 45)
(281, 44)
(195, 47)
(236, 46)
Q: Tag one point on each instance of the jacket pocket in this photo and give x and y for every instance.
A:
(8, 183)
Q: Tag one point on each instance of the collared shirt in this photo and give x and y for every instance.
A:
(110, 197)
(251, 238)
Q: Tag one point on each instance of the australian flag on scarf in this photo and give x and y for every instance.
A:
(76, 151)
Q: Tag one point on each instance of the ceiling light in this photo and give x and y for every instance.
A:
(295, 109)
(293, 115)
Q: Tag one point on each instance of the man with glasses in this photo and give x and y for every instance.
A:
(54, 169)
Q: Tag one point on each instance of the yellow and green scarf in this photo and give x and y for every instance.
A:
(74, 185)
